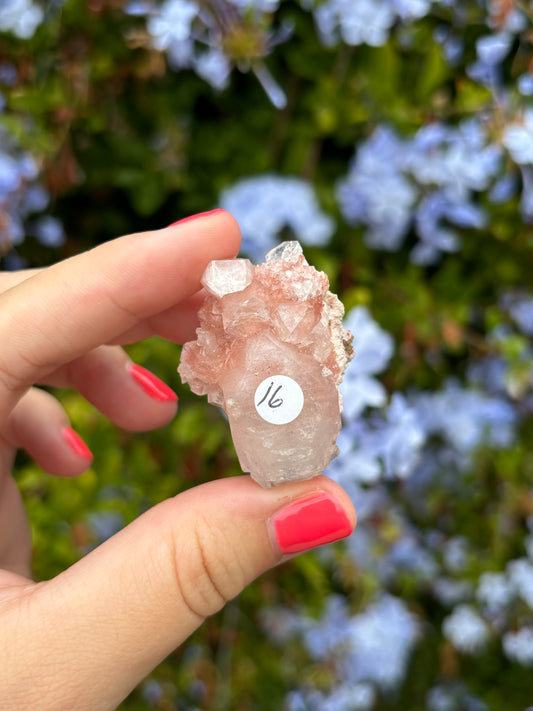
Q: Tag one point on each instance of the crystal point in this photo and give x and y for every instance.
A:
(271, 351)
(289, 251)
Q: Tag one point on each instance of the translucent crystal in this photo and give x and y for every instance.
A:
(226, 276)
(289, 251)
(271, 351)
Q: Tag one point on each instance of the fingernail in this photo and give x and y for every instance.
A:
(151, 385)
(76, 443)
(198, 215)
(309, 523)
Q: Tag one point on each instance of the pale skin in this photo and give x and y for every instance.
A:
(86, 638)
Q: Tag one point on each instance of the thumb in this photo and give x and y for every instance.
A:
(90, 635)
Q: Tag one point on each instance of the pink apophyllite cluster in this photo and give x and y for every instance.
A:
(271, 351)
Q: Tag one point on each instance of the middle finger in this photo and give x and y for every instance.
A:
(129, 395)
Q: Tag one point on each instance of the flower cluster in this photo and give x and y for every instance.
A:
(428, 183)
(22, 198)
(214, 37)
(363, 21)
(267, 204)
(21, 17)
(370, 651)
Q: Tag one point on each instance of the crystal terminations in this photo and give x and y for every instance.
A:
(271, 351)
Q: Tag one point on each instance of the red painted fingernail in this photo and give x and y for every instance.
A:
(76, 443)
(151, 385)
(309, 523)
(195, 217)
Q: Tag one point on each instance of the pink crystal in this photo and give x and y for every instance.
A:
(271, 351)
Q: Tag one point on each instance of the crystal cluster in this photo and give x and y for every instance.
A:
(271, 351)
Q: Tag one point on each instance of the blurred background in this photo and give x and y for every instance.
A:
(394, 140)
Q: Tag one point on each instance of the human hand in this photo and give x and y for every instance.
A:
(86, 638)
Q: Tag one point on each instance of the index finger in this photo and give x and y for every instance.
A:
(76, 305)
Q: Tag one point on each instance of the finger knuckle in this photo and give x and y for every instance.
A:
(208, 575)
(10, 381)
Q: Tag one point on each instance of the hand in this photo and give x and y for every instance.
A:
(86, 638)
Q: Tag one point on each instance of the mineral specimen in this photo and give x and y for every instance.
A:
(271, 351)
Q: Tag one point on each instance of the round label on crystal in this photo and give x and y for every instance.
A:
(279, 399)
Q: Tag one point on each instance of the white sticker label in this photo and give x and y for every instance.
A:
(279, 399)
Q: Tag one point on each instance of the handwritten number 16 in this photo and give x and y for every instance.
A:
(274, 401)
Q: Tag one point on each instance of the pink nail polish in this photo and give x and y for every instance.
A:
(151, 385)
(76, 443)
(197, 216)
(309, 523)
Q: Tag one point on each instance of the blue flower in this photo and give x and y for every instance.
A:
(452, 46)
(503, 189)
(402, 439)
(364, 21)
(435, 237)
(430, 179)
(526, 200)
(172, 24)
(440, 699)
(411, 9)
(36, 198)
(21, 195)
(466, 630)
(455, 554)
(386, 445)
(330, 635)
(21, 17)
(381, 639)
(49, 231)
(105, 524)
(298, 701)
(376, 192)
(372, 646)
(525, 84)
(349, 697)
(153, 692)
(407, 554)
(518, 139)
(492, 49)
(138, 7)
(373, 349)
(10, 177)
(465, 418)
(193, 35)
(449, 592)
(520, 574)
(459, 160)
(518, 646)
(356, 21)
(433, 208)
(521, 311)
(495, 591)
(358, 459)
(214, 67)
(8, 74)
(452, 697)
(266, 204)
(513, 20)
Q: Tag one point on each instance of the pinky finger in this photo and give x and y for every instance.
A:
(39, 425)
